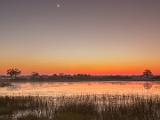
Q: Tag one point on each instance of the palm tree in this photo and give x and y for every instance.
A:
(13, 72)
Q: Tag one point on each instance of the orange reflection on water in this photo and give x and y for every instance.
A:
(78, 88)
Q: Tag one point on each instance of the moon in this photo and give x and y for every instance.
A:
(58, 6)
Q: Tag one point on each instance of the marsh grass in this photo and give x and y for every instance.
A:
(83, 107)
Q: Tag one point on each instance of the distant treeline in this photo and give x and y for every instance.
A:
(84, 77)
(14, 74)
(80, 77)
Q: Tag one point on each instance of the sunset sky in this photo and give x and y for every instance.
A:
(80, 36)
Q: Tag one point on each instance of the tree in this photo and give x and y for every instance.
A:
(35, 75)
(147, 74)
(13, 72)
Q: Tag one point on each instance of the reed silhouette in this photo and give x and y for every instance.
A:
(83, 107)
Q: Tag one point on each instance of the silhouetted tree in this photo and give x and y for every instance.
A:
(147, 74)
(35, 75)
(13, 72)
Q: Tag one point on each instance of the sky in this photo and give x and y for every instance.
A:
(80, 36)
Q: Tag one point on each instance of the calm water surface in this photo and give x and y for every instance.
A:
(78, 88)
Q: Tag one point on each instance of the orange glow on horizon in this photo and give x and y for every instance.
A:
(83, 69)
(83, 66)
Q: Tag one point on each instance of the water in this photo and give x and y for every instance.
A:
(80, 88)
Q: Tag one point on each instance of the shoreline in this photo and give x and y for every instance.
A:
(64, 80)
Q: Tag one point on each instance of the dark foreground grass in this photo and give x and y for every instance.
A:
(88, 107)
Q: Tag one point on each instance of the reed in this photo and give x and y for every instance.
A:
(83, 107)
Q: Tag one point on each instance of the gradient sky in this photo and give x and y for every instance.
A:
(80, 36)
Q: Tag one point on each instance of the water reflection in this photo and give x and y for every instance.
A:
(78, 88)
(148, 85)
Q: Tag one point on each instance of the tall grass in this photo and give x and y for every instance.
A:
(83, 107)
